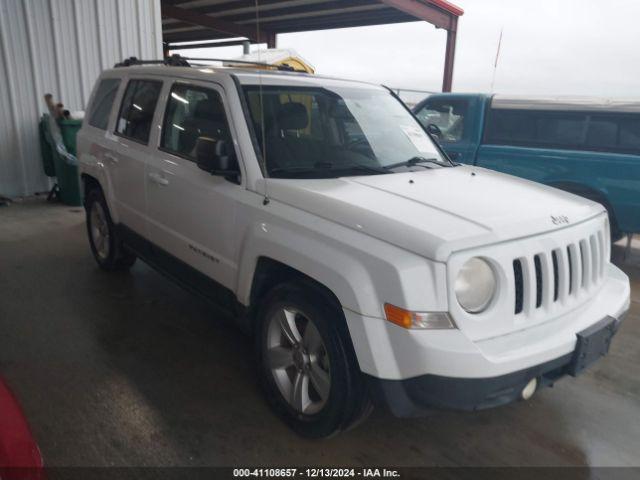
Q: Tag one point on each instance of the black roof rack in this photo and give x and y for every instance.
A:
(172, 61)
(177, 60)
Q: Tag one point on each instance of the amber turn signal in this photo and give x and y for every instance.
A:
(418, 320)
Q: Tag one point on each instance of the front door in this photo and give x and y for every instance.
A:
(191, 213)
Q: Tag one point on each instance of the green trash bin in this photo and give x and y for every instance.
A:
(69, 130)
(63, 148)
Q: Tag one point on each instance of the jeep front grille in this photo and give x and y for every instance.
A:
(558, 274)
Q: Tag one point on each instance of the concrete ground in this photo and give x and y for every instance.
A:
(130, 370)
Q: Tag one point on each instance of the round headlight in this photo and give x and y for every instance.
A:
(475, 285)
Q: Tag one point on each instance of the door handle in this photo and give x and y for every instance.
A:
(158, 179)
(111, 158)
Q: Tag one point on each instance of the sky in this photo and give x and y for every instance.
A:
(556, 47)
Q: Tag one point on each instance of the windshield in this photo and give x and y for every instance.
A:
(323, 133)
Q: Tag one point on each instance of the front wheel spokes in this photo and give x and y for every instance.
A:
(280, 358)
(300, 392)
(288, 326)
(320, 380)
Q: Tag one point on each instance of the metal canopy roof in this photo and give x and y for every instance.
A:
(199, 20)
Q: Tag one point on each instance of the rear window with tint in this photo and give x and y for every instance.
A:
(607, 132)
(138, 107)
(102, 103)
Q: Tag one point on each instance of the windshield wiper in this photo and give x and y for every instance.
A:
(363, 168)
(326, 167)
(416, 161)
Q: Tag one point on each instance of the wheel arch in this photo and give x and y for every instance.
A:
(269, 273)
(89, 182)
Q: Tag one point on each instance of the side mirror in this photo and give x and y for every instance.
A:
(213, 156)
(434, 130)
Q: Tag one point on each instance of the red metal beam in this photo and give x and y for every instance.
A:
(272, 40)
(425, 11)
(449, 7)
(449, 57)
(211, 23)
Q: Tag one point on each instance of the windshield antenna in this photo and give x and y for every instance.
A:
(262, 126)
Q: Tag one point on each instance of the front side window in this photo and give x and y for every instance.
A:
(193, 114)
(137, 109)
(306, 132)
(102, 102)
(447, 115)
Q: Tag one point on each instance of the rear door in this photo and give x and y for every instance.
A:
(458, 119)
(94, 137)
(129, 150)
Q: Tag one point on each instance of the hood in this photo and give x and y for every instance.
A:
(435, 212)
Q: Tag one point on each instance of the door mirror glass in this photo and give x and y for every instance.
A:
(215, 157)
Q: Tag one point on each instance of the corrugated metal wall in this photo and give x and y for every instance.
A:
(60, 47)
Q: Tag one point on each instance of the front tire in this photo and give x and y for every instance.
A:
(308, 370)
(106, 246)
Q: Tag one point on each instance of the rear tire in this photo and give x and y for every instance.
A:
(306, 364)
(106, 246)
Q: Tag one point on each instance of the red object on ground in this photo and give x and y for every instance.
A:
(19, 454)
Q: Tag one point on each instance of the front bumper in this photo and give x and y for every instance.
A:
(419, 395)
(390, 352)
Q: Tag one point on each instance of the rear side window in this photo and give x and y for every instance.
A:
(629, 135)
(447, 115)
(193, 113)
(510, 127)
(533, 128)
(560, 129)
(102, 102)
(604, 132)
(137, 109)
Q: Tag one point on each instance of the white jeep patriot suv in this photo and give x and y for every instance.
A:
(368, 266)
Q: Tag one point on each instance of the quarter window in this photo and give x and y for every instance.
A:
(102, 103)
(193, 114)
(138, 107)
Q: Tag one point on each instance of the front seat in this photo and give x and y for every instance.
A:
(284, 147)
(208, 120)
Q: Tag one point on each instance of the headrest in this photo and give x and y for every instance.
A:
(208, 109)
(293, 116)
(341, 111)
(205, 147)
